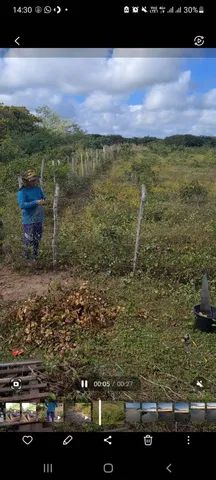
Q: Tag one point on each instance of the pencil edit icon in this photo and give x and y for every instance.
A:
(67, 440)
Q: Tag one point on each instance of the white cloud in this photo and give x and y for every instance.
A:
(210, 98)
(124, 74)
(208, 118)
(102, 102)
(85, 75)
(135, 108)
(169, 103)
(137, 120)
(171, 95)
(31, 97)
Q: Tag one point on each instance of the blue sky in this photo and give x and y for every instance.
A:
(150, 406)
(116, 91)
(203, 72)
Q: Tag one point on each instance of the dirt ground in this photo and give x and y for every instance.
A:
(16, 286)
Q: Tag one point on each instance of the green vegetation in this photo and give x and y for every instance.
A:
(29, 407)
(112, 413)
(41, 412)
(194, 192)
(190, 141)
(96, 237)
(84, 408)
(13, 407)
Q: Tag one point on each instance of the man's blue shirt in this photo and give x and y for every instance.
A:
(27, 199)
(51, 406)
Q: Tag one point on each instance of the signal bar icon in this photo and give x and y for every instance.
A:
(84, 383)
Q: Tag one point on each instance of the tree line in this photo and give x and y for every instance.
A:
(23, 133)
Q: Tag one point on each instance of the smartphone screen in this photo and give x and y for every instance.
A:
(107, 240)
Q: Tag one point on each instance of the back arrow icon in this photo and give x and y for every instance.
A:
(16, 41)
(168, 468)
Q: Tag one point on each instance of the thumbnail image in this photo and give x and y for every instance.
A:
(54, 410)
(41, 412)
(149, 412)
(108, 413)
(59, 413)
(197, 412)
(13, 412)
(132, 412)
(182, 412)
(29, 412)
(211, 412)
(165, 412)
(78, 413)
(2, 412)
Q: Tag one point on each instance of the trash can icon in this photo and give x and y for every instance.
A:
(148, 440)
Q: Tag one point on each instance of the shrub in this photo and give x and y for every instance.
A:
(194, 192)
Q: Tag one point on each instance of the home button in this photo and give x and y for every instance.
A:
(108, 468)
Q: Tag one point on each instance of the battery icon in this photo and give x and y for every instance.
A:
(201, 9)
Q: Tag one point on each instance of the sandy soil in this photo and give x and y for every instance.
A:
(18, 286)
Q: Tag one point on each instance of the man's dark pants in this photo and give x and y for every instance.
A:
(32, 237)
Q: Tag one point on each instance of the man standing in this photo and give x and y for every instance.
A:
(51, 405)
(31, 200)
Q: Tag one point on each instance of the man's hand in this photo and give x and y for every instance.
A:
(41, 202)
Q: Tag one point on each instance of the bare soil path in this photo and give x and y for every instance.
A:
(16, 286)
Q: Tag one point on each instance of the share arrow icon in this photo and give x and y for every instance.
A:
(108, 440)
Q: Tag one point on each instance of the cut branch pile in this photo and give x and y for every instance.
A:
(52, 322)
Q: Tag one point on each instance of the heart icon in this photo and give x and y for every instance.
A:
(27, 439)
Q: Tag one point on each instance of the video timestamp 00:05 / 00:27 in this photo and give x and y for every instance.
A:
(117, 384)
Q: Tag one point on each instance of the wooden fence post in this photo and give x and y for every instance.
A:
(73, 164)
(54, 173)
(82, 165)
(86, 162)
(104, 152)
(93, 162)
(55, 222)
(140, 214)
(76, 165)
(42, 171)
(20, 182)
(97, 158)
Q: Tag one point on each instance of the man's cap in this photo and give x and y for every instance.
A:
(30, 175)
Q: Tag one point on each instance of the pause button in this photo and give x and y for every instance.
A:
(47, 468)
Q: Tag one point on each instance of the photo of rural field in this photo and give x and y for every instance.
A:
(100, 274)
